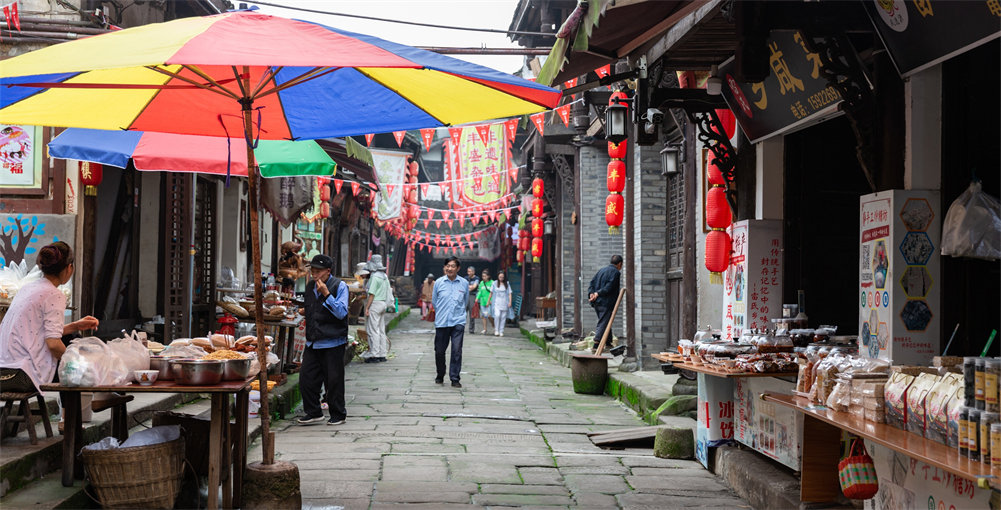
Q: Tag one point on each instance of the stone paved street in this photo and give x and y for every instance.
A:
(513, 435)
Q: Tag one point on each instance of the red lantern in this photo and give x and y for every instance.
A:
(717, 254)
(524, 233)
(91, 175)
(324, 193)
(537, 228)
(536, 248)
(717, 209)
(617, 151)
(613, 209)
(413, 168)
(525, 243)
(616, 178)
(713, 172)
(521, 257)
(538, 207)
(538, 187)
(619, 97)
(413, 179)
(325, 210)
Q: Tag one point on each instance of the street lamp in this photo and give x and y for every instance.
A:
(669, 156)
(616, 118)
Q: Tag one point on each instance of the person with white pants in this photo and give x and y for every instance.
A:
(500, 302)
(375, 311)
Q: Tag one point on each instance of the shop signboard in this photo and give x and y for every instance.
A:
(752, 285)
(795, 93)
(772, 430)
(922, 33)
(906, 483)
(899, 236)
(714, 414)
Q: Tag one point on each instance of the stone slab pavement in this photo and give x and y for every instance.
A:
(513, 436)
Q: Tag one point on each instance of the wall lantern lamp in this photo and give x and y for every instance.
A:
(547, 227)
(616, 122)
(670, 160)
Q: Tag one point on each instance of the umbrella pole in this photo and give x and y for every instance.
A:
(267, 445)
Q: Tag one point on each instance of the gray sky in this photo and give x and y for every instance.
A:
(494, 14)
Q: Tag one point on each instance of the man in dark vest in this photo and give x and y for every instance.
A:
(326, 311)
(602, 293)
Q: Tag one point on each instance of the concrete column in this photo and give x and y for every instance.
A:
(769, 189)
(923, 130)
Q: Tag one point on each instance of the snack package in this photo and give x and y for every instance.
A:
(89, 362)
(953, 407)
(840, 395)
(133, 353)
(936, 409)
(895, 394)
(916, 396)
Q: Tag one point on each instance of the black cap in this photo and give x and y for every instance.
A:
(321, 261)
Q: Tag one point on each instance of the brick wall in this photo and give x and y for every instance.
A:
(649, 284)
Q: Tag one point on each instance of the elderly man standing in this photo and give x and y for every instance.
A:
(326, 311)
(449, 302)
(375, 311)
(603, 292)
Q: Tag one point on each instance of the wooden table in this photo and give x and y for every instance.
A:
(712, 370)
(227, 454)
(822, 428)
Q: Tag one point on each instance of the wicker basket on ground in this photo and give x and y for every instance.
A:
(137, 477)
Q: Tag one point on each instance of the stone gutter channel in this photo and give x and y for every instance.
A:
(661, 399)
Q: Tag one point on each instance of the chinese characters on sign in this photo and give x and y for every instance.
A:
(794, 90)
(17, 155)
(478, 169)
(752, 285)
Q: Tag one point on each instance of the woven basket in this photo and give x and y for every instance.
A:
(857, 473)
(137, 477)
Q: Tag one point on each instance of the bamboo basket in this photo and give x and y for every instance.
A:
(137, 477)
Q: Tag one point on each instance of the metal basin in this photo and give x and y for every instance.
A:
(196, 372)
(162, 365)
(236, 369)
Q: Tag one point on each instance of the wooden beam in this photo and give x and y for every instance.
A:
(661, 27)
(683, 29)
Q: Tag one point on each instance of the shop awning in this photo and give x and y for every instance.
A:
(698, 32)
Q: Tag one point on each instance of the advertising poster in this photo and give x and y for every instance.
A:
(898, 264)
(752, 285)
(715, 415)
(906, 483)
(772, 430)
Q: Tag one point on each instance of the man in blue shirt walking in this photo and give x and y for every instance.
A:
(449, 303)
(326, 311)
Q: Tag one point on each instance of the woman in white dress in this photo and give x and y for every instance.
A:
(500, 302)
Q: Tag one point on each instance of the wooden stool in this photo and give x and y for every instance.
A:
(24, 415)
(119, 414)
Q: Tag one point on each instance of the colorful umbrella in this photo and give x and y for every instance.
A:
(262, 76)
(305, 81)
(190, 153)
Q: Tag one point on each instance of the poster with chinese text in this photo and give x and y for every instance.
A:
(476, 172)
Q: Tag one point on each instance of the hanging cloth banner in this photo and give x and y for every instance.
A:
(490, 244)
(368, 139)
(427, 135)
(539, 119)
(470, 161)
(399, 135)
(564, 113)
(11, 16)
(286, 197)
(390, 167)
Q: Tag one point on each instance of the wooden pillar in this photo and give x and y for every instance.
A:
(629, 279)
(689, 298)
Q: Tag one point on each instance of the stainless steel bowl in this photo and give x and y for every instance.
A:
(196, 372)
(236, 369)
(162, 365)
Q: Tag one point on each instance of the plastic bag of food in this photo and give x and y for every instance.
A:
(154, 435)
(972, 227)
(89, 362)
(175, 350)
(132, 352)
(840, 395)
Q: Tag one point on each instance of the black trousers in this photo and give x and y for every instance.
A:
(442, 338)
(604, 312)
(323, 368)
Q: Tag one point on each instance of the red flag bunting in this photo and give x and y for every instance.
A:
(462, 219)
(467, 236)
(337, 185)
(437, 224)
(564, 113)
(511, 128)
(426, 222)
(368, 139)
(428, 136)
(449, 222)
(455, 133)
(539, 119)
(390, 188)
(569, 84)
(603, 71)
(399, 135)
(355, 187)
(424, 189)
(484, 131)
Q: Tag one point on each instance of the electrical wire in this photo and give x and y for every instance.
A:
(414, 23)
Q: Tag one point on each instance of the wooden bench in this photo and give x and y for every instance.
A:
(24, 415)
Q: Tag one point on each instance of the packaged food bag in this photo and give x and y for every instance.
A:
(89, 362)
(916, 397)
(895, 395)
(972, 226)
(133, 353)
